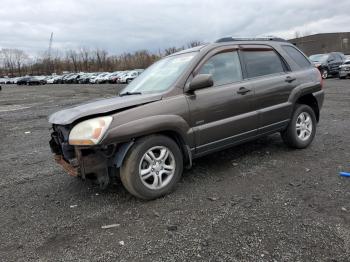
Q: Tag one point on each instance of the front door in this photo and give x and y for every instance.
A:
(223, 114)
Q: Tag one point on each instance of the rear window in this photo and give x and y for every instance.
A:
(297, 56)
(262, 62)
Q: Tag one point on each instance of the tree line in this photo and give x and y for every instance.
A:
(15, 62)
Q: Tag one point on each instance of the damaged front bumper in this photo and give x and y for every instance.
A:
(95, 162)
(72, 171)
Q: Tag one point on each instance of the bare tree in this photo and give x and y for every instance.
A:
(19, 58)
(85, 56)
(13, 60)
(73, 56)
(16, 62)
(171, 50)
(194, 43)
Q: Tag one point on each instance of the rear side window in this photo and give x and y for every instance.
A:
(225, 68)
(262, 62)
(297, 57)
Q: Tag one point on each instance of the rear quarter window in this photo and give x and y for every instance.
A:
(297, 56)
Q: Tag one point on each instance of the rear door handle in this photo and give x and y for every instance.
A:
(242, 90)
(290, 79)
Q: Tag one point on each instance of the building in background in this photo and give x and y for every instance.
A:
(323, 43)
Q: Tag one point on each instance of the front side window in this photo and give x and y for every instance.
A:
(262, 62)
(225, 68)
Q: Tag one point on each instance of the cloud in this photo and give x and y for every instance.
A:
(121, 26)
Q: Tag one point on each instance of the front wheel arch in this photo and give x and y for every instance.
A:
(124, 148)
(130, 169)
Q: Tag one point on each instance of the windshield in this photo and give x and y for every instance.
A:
(319, 58)
(161, 75)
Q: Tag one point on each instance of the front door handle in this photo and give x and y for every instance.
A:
(242, 90)
(290, 79)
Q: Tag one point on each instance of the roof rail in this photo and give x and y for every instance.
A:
(230, 39)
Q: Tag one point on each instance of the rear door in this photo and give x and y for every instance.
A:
(272, 81)
(223, 114)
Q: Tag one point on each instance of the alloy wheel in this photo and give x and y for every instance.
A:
(157, 167)
(304, 126)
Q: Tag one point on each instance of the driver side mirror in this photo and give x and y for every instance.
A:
(200, 81)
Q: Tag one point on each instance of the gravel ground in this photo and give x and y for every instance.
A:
(260, 201)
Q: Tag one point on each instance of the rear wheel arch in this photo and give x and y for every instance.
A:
(311, 101)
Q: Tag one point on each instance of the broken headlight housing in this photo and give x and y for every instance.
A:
(89, 132)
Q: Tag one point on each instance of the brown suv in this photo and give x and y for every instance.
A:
(187, 105)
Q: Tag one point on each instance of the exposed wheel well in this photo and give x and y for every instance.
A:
(311, 101)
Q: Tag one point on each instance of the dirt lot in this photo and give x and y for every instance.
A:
(260, 201)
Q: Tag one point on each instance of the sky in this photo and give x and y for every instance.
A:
(126, 26)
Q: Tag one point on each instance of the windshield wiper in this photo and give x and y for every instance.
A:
(130, 93)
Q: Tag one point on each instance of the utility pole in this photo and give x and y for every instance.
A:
(49, 54)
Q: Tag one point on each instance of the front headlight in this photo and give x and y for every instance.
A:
(89, 132)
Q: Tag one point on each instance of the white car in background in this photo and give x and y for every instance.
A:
(128, 77)
(53, 79)
(344, 70)
(99, 79)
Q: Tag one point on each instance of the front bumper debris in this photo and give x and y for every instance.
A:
(72, 171)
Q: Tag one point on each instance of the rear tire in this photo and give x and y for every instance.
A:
(302, 127)
(148, 175)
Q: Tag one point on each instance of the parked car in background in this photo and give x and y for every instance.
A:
(31, 80)
(110, 76)
(14, 80)
(115, 78)
(94, 77)
(72, 79)
(36, 80)
(128, 77)
(121, 77)
(99, 79)
(6, 80)
(186, 105)
(85, 78)
(23, 80)
(54, 80)
(344, 70)
(328, 64)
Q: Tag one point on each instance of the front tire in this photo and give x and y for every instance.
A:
(152, 167)
(302, 127)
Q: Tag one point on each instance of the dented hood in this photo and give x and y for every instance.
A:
(69, 115)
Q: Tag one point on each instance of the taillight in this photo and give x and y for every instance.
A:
(321, 79)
